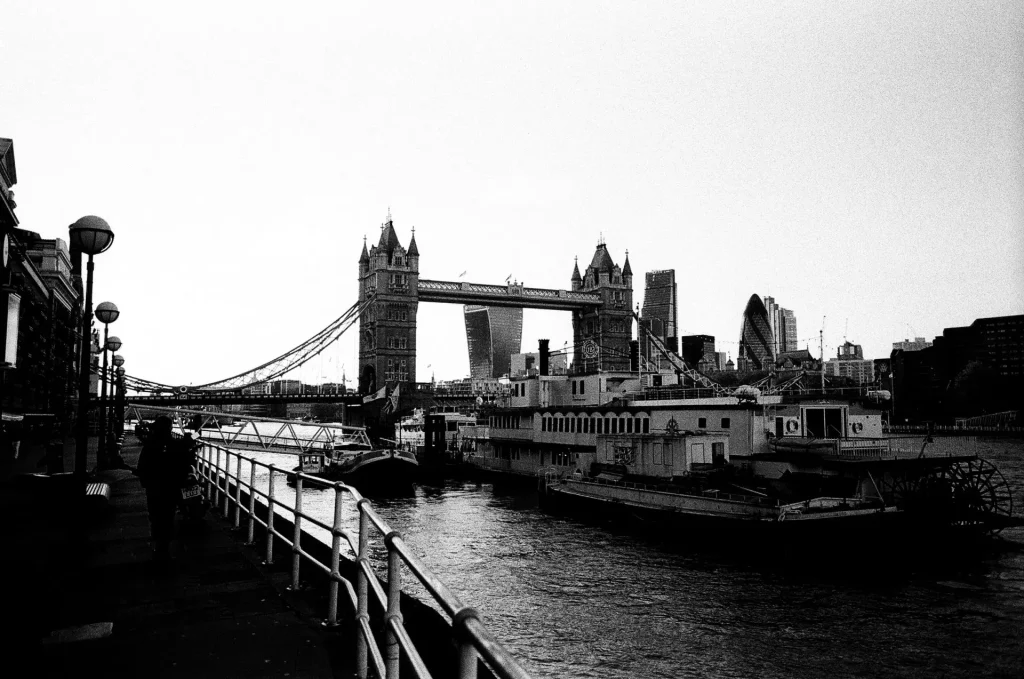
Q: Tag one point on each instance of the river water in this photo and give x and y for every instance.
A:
(578, 598)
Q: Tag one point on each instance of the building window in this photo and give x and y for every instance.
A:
(702, 422)
(582, 386)
(574, 387)
(725, 423)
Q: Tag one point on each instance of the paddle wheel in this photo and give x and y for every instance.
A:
(966, 492)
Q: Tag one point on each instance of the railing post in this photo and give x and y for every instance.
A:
(270, 519)
(206, 472)
(394, 612)
(251, 539)
(216, 480)
(227, 479)
(467, 654)
(238, 491)
(332, 597)
(297, 533)
(362, 592)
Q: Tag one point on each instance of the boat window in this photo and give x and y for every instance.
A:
(824, 422)
(725, 423)
(702, 423)
(657, 453)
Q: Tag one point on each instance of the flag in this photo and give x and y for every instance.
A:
(381, 393)
(392, 403)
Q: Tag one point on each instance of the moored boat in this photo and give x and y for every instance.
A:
(376, 468)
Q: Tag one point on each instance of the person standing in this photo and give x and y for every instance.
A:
(163, 466)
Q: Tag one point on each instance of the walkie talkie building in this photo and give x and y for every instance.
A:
(493, 335)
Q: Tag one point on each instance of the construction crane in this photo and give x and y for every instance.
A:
(678, 364)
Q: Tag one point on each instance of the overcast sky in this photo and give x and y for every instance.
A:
(863, 163)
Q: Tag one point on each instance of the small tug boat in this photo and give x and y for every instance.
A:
(355, 461)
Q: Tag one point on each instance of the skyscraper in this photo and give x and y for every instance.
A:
(783, 327)
(659, 310)
(756, 350)
(493, 334)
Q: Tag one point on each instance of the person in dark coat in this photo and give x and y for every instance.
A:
(164, 463)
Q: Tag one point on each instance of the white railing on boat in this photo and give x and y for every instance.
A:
(893, 447)
(224, 490)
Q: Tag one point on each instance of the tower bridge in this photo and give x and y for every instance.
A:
(390, 291)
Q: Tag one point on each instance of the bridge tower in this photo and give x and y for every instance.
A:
(387, 328)
(601, 336)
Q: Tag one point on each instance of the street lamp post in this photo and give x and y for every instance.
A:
(120, 400)
(106, 313)
(107, 409)
(91, 236)
(116, 416)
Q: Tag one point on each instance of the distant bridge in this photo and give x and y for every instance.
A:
(209, 398)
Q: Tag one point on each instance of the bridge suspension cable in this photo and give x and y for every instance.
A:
(275, 367)
(678, 363)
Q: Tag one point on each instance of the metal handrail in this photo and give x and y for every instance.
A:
(471, 636)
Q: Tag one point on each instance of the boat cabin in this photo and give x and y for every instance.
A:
(663, 455)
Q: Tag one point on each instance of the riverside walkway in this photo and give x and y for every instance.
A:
(87, 597)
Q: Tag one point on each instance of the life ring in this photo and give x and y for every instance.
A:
(792, 425)
(856, 427)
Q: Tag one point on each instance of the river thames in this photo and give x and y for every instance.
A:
(572, 597)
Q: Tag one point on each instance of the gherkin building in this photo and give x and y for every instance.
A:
(756, 340)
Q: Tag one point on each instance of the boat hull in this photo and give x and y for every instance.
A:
(376, 470)
(851, 534)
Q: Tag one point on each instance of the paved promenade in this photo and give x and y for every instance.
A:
(75, 569)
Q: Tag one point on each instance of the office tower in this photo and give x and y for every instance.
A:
(493, 335)
(756, 350)
(659, 310)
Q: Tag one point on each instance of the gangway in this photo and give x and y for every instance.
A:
(247, 432)
(679, 364)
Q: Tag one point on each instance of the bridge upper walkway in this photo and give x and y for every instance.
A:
(512, 295)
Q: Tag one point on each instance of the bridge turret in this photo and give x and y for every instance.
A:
(601, 336)
(414, 253)
(387, 328)
(577, 280)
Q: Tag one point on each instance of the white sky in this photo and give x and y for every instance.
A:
(863, 162)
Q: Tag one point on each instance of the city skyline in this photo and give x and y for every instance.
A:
(863, 165)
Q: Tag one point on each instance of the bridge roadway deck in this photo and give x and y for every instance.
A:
(216, 612)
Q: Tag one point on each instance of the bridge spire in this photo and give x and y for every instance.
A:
(413, 250)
